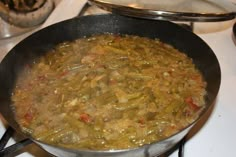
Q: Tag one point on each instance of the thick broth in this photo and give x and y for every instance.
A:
(109, 92)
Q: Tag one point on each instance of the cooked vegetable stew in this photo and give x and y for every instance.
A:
(108, 92)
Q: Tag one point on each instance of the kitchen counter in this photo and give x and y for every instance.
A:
(214, 135)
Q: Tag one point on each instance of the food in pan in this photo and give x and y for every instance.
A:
(108, 92)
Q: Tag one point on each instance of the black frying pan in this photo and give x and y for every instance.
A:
(41, 42)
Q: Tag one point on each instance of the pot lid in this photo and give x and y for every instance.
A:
(177, 10)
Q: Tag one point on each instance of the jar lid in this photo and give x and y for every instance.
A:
(176, 10)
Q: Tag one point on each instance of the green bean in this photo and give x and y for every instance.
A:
(139, 76)
(76, 124)
(58, 136)
(49, 133)
(132, 104)
(104, 98)
(172, 107)
(112, 49)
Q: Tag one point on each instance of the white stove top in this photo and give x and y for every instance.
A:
(214, 135)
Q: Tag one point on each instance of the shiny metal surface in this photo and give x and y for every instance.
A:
(178, 10)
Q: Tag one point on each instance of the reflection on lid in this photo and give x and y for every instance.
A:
(193, 10)
(193, 6)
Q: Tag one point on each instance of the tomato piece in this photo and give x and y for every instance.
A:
(192, 105)
(41, 78)
(141, 121)
(85, 118)
(27, 66)
(64, 73)
(117, 38)
(28, 117)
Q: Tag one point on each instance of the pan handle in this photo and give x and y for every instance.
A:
(4, 152)
(15, 147)
(5, 138)
(181, 147)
